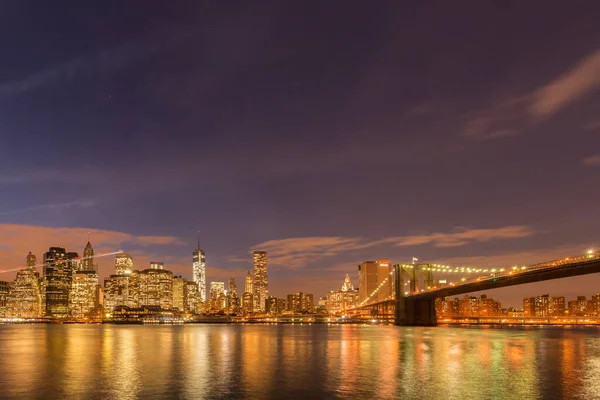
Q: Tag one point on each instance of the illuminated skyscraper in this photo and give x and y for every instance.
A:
(58, 271)
(82, 299)
(156, 288)
(343, 299)
(247, 303)
(179, 289)
(123, 264)
(248, 286)
(25, 299)
(260, 281)
(87, 263)
(199, 271)
(192, 305)
(233, 301)
(372, 274)
(121, 290)
(4, 288)
(218, 299)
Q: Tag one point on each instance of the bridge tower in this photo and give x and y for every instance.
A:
(413, 311)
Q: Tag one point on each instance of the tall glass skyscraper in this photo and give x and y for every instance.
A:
(199, 271)
(260, 281)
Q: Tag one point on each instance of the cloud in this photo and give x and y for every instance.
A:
(570, 86)
(294, 253)
(16, 240)
(592, 160)
(500, 119)
(107, 60)
(56, 206)
(464, 236)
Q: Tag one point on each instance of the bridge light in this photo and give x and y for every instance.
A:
(463, 279)
(523, 267)
(494, 270)
(501, 269)
(514, 267)
(590, 251)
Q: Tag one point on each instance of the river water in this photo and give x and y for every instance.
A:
(298, 361)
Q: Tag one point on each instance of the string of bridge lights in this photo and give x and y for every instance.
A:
(377, 289)
(449, 269)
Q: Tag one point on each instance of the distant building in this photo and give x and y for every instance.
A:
(260, 282)
(3, 298)
(478, 307)
(123, 264)
(218, 299)
(58, 274)
(247, 303)
(156, 288)
(446, 307)
(544, 306)
(25, 298)
(233, 301)
(82, 300)
(580, 307)
(121, 291)
(300, 302)
(87, 263)
(372, 275)
(157, 265)
(192, 298)
(344, 299)
(199, 271)
(275, 306)
(596, 304)
(179, 292)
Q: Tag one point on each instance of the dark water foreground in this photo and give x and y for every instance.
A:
(292, 361)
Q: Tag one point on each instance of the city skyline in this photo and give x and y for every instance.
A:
(379, 136)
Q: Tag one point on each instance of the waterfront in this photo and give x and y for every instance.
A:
(298, 361)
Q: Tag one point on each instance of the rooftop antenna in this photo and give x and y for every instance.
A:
(198, 240)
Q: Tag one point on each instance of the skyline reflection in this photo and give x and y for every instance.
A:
(265, 361)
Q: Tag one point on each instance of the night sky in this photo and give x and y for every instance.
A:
(327, 133)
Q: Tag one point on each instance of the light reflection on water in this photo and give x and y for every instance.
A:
(291, 361)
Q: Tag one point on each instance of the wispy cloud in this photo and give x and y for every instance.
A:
(55, 206)
(592, 160)
(294, 253)
(509, 118)
(464, 237)
(592, 125)
(107, 60)
(570, 86)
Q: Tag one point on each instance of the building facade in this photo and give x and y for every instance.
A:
(344, 299)
(374, 282)
(25, 297)
(156, 288)
(83, 297)
(260, 282)
(199, 271)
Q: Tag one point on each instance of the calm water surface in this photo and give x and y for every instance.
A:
(292, 361)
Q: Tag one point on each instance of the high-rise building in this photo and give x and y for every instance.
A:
(199, 271)
(123, 264)
(192, 299)
(233, 300)
(300, 302)
(343, 299)
(260, 282)
(87, 263)
(82, 299)
(25, 298)
(179, 292)
(247, 303)
(156, 288)
(4, 288)
(121, 290)
(248, 287)
(157, 265)
(58, 272)
(216, 289)
(372, 275)
(274, 306)
(218, 298)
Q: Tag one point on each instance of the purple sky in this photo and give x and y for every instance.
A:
(327, 133)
